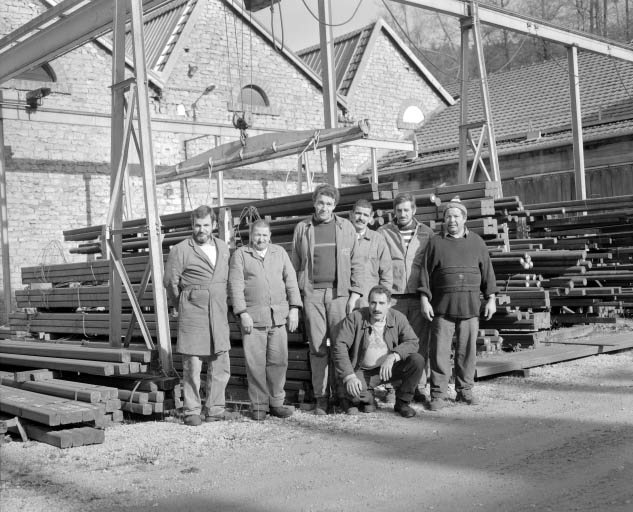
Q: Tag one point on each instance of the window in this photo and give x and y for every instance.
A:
(251, 95)
(252, 98)
(410, 115)
(43, 73)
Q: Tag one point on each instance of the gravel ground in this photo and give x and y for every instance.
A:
(560, 439)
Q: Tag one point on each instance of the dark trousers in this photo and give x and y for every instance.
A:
(405, 376)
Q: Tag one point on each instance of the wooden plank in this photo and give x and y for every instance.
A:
(73, 365)
(64, 351)
(46, 409)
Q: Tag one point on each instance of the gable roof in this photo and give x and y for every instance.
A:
(291, 56)
(352, 50)
(531, 99)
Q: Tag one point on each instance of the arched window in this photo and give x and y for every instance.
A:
(254, 96)
(410, 115)
(43, 73)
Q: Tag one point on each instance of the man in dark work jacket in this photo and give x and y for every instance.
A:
(456, 268)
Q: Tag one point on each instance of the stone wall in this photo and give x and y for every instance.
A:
(58, 157)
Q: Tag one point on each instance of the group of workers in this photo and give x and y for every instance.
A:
(380, 308)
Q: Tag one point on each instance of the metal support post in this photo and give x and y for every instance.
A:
(374, 166)
(116, 150)
(576, 123)
(4, 227)
(485, 96)
(149, 187)
(328, 75)
(462, 173)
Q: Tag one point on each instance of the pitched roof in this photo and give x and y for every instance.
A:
(353, 48)
(532, 98)
(348, 52)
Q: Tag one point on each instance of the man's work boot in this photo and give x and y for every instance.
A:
(420, 397)
(437, 404)
(193, 420)
(321, 406)
(404, 409)
(259, 415)
(222, 416)
(349, 407)
(282, 411)
(466, 397)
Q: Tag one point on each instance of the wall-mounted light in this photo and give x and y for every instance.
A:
(34, 98)
(194, 106)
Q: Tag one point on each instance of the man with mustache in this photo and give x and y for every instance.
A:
(456, 269)
(374, 346)
(407, 239)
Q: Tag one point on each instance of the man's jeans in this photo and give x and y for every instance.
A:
(442, 331)
(405, 376)
(218, 373)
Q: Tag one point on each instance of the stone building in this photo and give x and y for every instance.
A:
(207, 59)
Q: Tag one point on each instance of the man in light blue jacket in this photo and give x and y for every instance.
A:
(265, 296)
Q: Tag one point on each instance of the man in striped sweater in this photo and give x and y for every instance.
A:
(407, 239)
(456, 269)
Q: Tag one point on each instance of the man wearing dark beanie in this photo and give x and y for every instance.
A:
(456, 268)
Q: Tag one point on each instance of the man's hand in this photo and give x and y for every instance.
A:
(351, 302)
(293, 319)
(386, 367)
(247, 322)
(354, 386)
(490, 308)
(427, 309)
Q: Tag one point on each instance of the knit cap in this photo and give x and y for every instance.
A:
(455, 203)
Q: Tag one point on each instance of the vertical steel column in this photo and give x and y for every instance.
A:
(462, 172)
(485, 96)
(576, 123)
(117, 121)
(374, 166)
(328, 75)
(149, 188)
(4, 227)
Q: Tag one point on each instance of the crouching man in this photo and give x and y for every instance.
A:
(376, 345)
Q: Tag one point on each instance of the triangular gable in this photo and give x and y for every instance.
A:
(353, 50)
(291, 56)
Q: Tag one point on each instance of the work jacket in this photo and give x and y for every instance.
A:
(266, 287)
(376, 261)
(353, 338)
(200, 290)
(406, 262)
(349, 268)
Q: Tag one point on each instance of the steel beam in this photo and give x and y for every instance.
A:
(328, 78)
(576, 123)
(51, 39)
(527, 25)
